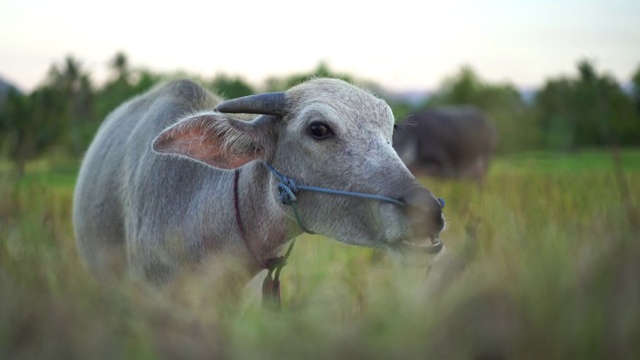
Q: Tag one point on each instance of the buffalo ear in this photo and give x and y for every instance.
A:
(214, 139)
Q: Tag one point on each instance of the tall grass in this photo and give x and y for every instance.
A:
(543, 262)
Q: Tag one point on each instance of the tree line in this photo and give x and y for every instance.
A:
(588, 109)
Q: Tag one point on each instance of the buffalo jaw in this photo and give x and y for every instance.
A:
(417, 252)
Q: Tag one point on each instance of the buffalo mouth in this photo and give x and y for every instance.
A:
(429, 245)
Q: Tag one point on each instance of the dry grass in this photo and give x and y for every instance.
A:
(544, 264)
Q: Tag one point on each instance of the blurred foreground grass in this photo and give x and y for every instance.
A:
(544, 263)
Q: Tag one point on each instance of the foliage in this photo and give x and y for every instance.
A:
(52, 115)
(230, 87)
(591, 110)
(635, 83)
(72, 86)
(549, 271)
(284, 83)
(65, 111)
(124, 83)
(32, 123)
(401, 109)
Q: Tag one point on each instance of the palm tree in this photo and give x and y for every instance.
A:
(120, 66)
(73, 86)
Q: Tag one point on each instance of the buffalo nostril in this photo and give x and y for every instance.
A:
(424, 211)
(439, 221)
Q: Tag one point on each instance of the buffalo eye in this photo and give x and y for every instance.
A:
(319, 131)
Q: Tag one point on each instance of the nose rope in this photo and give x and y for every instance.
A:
(288, 187)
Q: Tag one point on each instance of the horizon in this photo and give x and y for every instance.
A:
(403, 48)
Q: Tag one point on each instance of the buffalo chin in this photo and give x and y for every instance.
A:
(417, 253)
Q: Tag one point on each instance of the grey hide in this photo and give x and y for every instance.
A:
(154, 195)
(448, 142)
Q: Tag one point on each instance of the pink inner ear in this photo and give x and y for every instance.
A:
(197, 140)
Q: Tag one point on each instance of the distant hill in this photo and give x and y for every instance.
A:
(418, 97)
(528, 94)
(5, 87)
(411, 97)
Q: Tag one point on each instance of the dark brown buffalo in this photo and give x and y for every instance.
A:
(447, 142)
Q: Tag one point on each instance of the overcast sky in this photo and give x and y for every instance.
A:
(400, 44)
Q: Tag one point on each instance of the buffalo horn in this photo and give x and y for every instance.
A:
(268, 103)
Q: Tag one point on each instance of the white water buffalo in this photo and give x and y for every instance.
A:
(447, 142)
(171, 181)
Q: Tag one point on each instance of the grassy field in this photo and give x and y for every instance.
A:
(544, 262)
